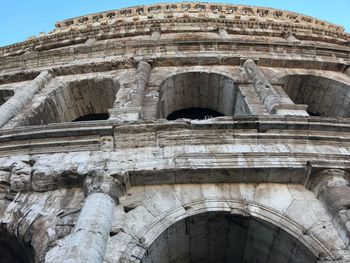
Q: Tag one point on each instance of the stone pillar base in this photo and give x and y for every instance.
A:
(290, 109)
(127, 114)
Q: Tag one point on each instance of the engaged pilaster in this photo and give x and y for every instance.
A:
(22, 97)
(268, 95)
(332, 187)
(347, 71)
(128, 108)
(89, 240)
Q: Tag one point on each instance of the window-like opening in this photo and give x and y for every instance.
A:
(93, 117)
(14, 251)
(200, 95)
(194, 114)
(82, 100)
(324, 97)
(223, 237)
(314, 113)
(5, 95)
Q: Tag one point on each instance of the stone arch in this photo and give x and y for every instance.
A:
(201, 93)
(150, 231)
(13, 250)
(237, 74)
(324, 96)
(226, 237)
(80, 100)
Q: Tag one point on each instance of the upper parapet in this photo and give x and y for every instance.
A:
(200, 10)
(235, 20)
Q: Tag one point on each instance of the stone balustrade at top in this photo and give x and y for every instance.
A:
(202, 9)
(237, 19)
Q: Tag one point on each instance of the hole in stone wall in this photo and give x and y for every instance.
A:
(82, 100)
(200, 95)
(314, 113)
(130, 207)
(324, 97)
(194, 114)
(223, 237)
(5, 95)
(12, 250)
(93, 117)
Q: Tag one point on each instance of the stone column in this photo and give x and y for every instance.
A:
(223, 33)
(347, 71)
(89, 240)
(268, 95)
(332, 187)
(129, 107)
(22, 97)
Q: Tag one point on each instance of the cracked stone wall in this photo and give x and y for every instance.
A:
(265, 183)
(181, 223)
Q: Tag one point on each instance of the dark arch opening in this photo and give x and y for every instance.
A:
(194, 94)
(223, 237)
(194, 114)
(14, 251)
(79, 100)
(325, 97)
(93, 117)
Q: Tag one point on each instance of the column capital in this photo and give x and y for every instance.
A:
(98, 182)
(330, 183)
(329, 173)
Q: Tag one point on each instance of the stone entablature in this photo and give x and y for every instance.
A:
(184, 17)
(203, 10)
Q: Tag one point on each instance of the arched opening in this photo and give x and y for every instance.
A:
(200, 95)
(224, 237)
(14, 251)
(5, 95)
(93, 117)
(194, 114)
(324, 97)
(83, 100)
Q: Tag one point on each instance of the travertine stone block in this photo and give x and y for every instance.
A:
(177, 132)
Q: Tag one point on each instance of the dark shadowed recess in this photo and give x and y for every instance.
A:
(93, 117)
(325, 97)
(194, 114)
(223, 237)
(5, 95)
(14, 251)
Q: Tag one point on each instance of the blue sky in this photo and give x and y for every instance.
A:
(20, 19)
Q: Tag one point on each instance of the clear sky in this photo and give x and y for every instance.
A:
(20, 19)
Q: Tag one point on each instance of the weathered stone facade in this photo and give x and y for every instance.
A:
(258, 171)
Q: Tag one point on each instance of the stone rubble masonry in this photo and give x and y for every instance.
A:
(272, 174)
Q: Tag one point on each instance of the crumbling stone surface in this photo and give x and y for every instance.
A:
(41, 219)
(93, 170)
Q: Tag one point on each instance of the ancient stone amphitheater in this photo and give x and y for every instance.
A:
(188, 132)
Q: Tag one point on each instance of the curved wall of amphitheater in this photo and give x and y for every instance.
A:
(186, 132)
